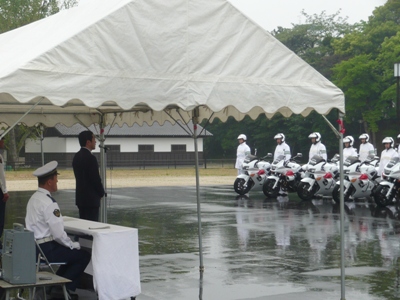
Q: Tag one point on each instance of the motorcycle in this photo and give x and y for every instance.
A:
(387, 192)
(256, 171)
(350, 165)
(319, 178)
(361, 182)
(285, 176)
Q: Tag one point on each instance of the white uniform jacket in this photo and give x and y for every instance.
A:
(44, 218)
(386, 156)
(350, 151)
(282, 149)
(3, 185)
(365, 150)
(318, 149)
(242, 151)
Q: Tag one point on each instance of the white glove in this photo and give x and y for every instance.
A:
(75, 245)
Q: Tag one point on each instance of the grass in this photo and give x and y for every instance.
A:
(26, 174)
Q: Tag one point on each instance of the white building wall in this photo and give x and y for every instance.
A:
(71, 145)
(51, 144)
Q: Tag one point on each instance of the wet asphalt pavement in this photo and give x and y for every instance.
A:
(254, 248)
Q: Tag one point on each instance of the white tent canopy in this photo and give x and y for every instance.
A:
(135, 61)
(141, 57)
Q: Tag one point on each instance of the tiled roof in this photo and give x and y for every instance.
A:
(155, 130)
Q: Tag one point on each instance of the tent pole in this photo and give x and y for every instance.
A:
(103, 203)
(342, 257)
(195, 122)
(339, 135)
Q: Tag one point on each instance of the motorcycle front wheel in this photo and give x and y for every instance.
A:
(303, 191)
(269, 190)
(336, 194)
(240, 186)
(379, 196)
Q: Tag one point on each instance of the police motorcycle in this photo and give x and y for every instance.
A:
(256, 171)
(350, 166)
(285, 176)
(319, 178)
(362, 181)
(388, 190)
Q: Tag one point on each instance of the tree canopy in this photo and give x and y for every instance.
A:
(358, 58)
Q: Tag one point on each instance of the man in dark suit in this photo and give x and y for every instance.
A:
(89, 188)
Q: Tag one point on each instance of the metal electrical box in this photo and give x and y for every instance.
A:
(19, 256)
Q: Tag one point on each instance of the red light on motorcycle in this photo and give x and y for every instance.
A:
(318, 178)
(363, 177)
(289, 173)
(261, 172)
(328, 175)
(353, 180)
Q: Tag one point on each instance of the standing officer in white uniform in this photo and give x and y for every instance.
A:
(281, 148)
(243, 150)
(44, 218)
(348, 149)
(366, 148)
(317, 148)
(387, 154)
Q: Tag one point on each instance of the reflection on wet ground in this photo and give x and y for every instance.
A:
(254, 248)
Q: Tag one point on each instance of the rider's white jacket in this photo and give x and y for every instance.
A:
(282, 149)
(386, 156)
(350, 151)
(318, 149)
(365, 150)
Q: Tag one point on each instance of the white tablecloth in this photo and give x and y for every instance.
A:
(115, 257)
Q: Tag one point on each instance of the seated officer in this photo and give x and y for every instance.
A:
(44, 218)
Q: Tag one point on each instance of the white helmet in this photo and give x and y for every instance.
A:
(387, 140)
(242, 136)
(349, 139)
(280, 136)
(316, 136)
(398, 136)
(366, 137)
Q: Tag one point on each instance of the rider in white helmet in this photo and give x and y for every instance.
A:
(243, 150)
(281, 148)
(366, 148)
(348, 149)
(387, 154)
(317, 148)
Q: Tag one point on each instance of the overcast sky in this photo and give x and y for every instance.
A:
(273, 13)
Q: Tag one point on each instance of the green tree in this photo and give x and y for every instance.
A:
(366, 73)
(312, 41)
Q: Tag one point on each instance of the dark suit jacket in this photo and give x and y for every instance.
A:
(89, 188)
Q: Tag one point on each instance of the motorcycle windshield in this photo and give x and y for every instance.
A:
(351, 160)
(316, 159)
(392, 162)
(250, 158)
(278, 159)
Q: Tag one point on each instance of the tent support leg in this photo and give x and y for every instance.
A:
(103, 202)
(342, 257)
(195, 122)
